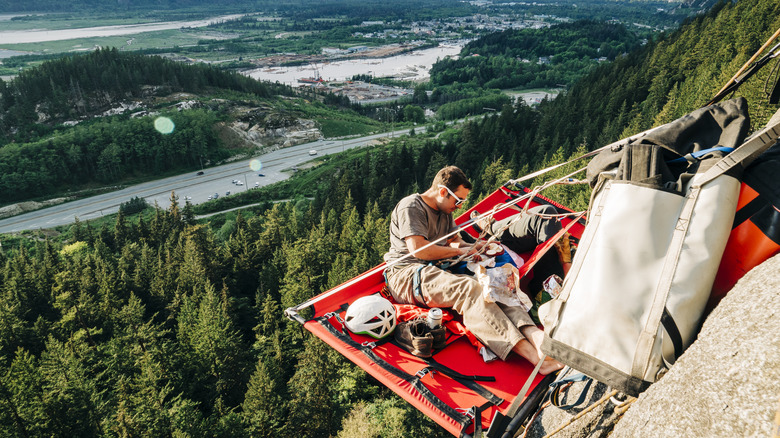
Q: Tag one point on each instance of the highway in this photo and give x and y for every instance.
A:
(276, 167)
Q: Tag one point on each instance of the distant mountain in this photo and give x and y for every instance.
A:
(99, 5)
(377, 9)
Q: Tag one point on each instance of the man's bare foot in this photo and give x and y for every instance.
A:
(534, 338)
(525, 349)
(528, 351)
(549, 365)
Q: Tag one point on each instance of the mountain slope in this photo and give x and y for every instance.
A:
(79, 86)
(659, 83)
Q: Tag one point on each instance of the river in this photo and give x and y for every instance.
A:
(43, 35)
(413, 66)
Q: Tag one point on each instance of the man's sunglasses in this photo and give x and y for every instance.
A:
(458, 201)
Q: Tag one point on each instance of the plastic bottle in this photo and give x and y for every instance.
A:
(434, 318)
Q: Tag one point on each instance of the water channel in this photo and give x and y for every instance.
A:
(412, 66)
(43, 35)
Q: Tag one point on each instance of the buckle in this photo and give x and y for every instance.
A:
(369, 344)
(467, 412)
(423, 372)
(336, 315)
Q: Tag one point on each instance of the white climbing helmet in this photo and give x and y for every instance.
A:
(371, 315)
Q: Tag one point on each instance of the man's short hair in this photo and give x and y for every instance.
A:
(451, 177)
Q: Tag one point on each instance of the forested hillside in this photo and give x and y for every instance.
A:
(651, 86)
(54, 135)
(73, 87)
(164, 326)
(535, 57)
(167, 327)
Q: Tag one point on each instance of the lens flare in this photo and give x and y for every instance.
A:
(256, 165)
(164, 125)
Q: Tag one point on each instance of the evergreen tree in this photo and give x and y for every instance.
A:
(264, 406)
(71, 398)
(217, 347)
(21, 396)
(312, 410)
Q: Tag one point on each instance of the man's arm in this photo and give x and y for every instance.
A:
(457, 242)
(433, 252)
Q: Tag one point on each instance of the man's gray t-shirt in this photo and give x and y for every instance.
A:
(413, 217)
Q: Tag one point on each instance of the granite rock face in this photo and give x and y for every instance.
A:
(726, 384)
(598, 422)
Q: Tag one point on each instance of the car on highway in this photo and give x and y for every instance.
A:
(239, 183)
(260, 174)
(312, 152)
(199, 173)
(216, 195)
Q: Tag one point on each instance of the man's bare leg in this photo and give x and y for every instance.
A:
(530, 348)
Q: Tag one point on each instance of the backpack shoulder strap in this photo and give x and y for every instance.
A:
(745, 154)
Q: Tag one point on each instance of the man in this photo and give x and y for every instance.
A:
(420, 219)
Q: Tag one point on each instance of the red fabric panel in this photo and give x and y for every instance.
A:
(746, 248)
(460, 355)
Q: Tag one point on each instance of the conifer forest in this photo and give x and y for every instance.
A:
(158, 324)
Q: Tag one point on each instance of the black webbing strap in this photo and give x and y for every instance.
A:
(468, 381)
(774, 95)
(748, 210)
(459, 418)
(475, 413)
(674, 333)
(456, 375)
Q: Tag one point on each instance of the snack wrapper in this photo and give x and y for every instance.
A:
(502, 285)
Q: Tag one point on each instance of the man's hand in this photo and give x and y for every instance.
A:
(473, 252)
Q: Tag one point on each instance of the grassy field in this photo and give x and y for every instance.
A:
(222, 41)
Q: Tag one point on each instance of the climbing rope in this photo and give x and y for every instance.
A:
(488, 216)
(620, 408)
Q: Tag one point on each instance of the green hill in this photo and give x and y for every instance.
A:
(532, 58)
(89, 120)
(80, 86)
